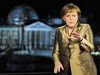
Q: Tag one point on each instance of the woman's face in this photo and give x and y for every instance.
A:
(71, 18)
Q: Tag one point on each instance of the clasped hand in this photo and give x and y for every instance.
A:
(75, 36)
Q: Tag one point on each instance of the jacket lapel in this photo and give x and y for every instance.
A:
(79, 29)
(64, 31)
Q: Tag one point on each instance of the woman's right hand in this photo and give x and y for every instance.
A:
(58, 66)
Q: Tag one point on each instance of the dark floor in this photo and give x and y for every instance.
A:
(27, 64)
(97, 62)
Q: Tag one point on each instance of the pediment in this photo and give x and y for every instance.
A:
(38, 26)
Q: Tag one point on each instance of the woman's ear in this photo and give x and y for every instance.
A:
(63, 18)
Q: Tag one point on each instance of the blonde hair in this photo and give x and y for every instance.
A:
(70, 6)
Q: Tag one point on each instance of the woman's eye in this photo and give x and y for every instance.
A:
(67, 15)
(73, 15)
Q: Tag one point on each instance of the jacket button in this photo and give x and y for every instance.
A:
(70, 46)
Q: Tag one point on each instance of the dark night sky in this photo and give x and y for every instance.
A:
(89, 8)
(44, 7)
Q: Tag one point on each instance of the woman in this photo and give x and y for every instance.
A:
(73, 44)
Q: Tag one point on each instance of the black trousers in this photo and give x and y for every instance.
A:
(69, 70)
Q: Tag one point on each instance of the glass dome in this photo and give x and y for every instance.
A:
(21, 14)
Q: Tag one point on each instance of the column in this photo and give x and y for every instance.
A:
(26, 40)
(35, 42)
(41, 39)
(30, 40)
(46, 39)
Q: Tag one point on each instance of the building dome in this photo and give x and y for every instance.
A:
(21, 14)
